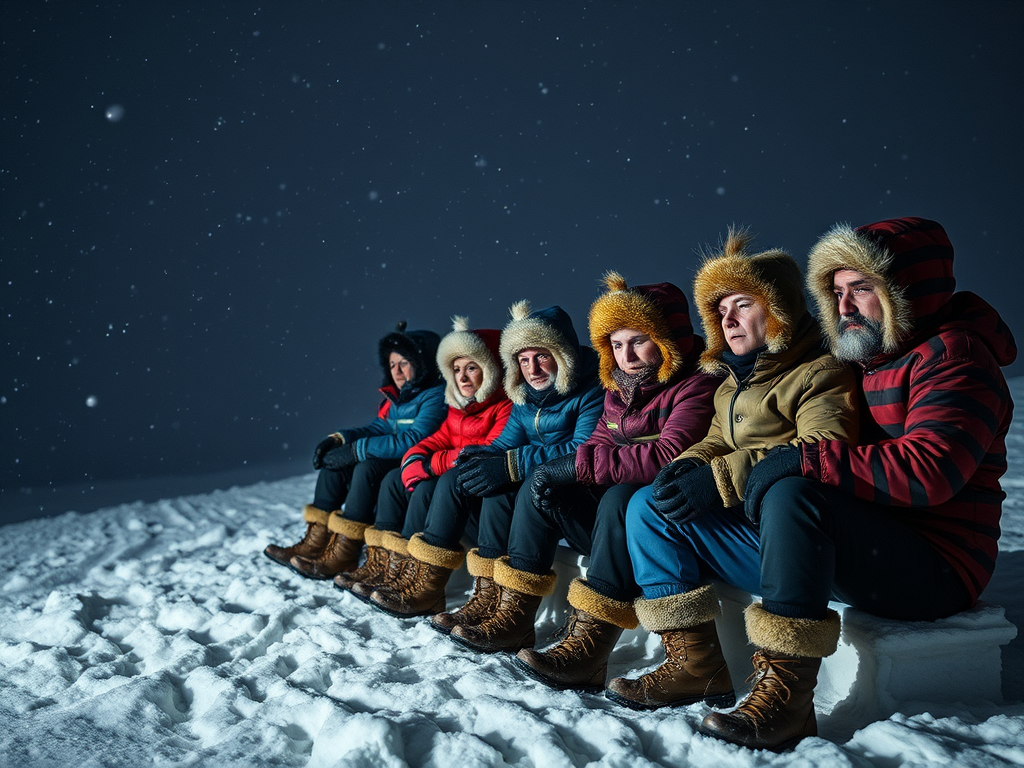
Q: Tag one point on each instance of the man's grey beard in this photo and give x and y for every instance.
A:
(858, 345)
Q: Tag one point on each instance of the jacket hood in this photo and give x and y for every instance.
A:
(418, 347)
(481, 346)
(550, 328)
(911, 262)
(772, 277)
(659, 310)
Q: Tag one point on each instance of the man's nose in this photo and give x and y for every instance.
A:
(846, 305)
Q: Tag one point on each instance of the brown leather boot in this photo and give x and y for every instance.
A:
(423, 594)
(510, 627)
(340, 554)
(374, 566)
(694, 668)
(311, 545)
(398, 568)
(481, 603)
(579, 661)
(779, 710)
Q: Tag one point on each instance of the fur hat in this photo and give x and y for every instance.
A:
(910, 261)
(549, 328)
(772, 277)
(659, 310)
(481, 346)
(418, 347)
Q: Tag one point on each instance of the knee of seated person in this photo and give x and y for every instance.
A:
(615, 502)
(790, 496)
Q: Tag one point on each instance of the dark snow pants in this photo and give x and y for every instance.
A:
(815, 543)
(592, 520)
(485, 521)
(399, 510)
(356, 487)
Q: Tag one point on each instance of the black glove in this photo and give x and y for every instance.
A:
(473, 452)
(331, 441)
(549, 476)
(340, 457)
(784, 461)
(687, 492)
(483, 475)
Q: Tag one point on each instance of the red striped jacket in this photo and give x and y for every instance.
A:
(933, 443)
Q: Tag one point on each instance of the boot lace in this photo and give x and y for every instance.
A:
(376, 560)
(571, 644)
(504, 618)
(769, 689)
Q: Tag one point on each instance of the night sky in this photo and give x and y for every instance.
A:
(211, 212)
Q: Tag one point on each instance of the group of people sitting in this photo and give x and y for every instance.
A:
(852, 457)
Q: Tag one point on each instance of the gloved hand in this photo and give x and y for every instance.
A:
(416, 469)
(340, 457)
(329, 442)
(548, 477)
(687, 491)
(473, 452)
(780, 462)
(483, 475)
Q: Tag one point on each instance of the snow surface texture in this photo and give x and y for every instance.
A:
(159, 634)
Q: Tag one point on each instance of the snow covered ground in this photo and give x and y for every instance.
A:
(158, 634)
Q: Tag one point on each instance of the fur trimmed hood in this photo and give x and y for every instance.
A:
(659, 310)
(419, 348)
(550, 328)
(911, 262)
(481, 346)
(772, 277)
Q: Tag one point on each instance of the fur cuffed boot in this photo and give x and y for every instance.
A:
(340, 554)
(579, 661)
(481, 603)
(373, 569)
(779, 710)
(510, 626)
(423, 593)
(397, 568)
(694, 668)
(311, 545)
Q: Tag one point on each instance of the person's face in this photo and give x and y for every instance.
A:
(402, 371)
(859, 326)
(744, 322)
(856, 295)
(469, 376)
(634, 351)
(538, 366)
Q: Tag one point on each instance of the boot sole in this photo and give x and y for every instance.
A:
(557, 685)
(785, 746)
(718, 701)
(479, 649)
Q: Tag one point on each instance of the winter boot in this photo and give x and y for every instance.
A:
(373, 568)
(510, 626)
(694, 668)
(779, 710)
(312, 544)
(340, 554)
(579, 661)
(423, 595)
(481, 603)
(398, 569)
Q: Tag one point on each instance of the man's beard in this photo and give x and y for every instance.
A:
(858, 344)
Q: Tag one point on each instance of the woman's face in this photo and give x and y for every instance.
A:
(634, 351)
(402, 371)
(469, 376)
(744, 322)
